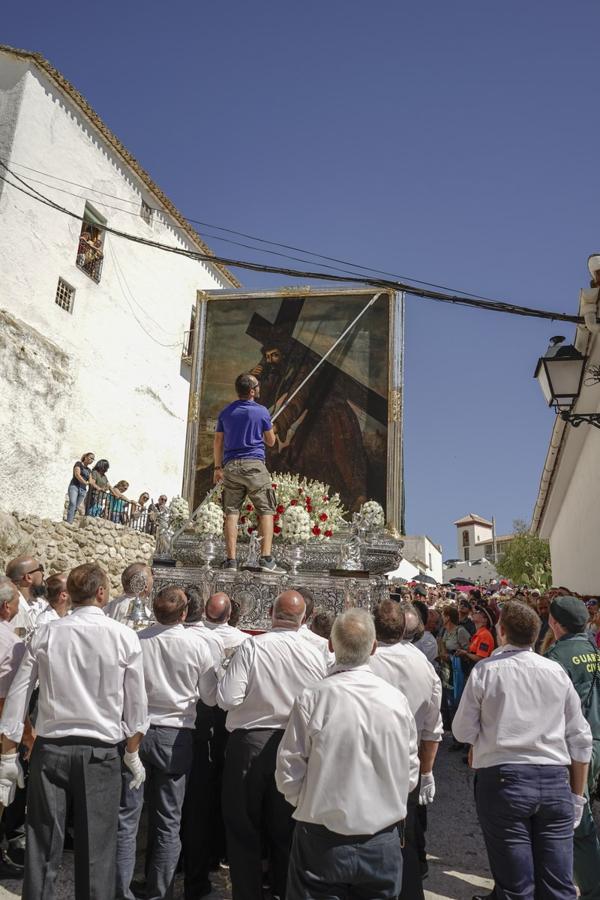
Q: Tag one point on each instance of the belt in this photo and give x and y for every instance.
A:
(76, 741)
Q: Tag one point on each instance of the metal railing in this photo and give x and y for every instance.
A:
(104, 505)
(90, 259)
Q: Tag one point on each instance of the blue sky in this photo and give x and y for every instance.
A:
(451, 142)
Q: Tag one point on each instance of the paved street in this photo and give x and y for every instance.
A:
(458, 864)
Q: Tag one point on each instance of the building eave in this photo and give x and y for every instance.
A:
(79, 100)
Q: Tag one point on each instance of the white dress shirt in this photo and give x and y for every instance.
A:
(265, 676)
(348, 758)
(25, 619)
(178, 670)
(48, 614)
(213, 641)
(427, 644)
(118, 609)
(231, 637)
(407, 669)
(12, 650)
(321, 643)
(91, 680)
(518, 707)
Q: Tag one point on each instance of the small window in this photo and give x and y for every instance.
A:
(90, 250)
(65, 296)
(147, 213)
(465, 538)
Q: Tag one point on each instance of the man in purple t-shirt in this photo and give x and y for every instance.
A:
(243, 429)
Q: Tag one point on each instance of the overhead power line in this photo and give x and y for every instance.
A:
(394, 285)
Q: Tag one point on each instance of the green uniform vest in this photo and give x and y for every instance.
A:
(581, 660)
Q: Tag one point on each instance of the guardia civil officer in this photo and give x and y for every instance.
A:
(581, 660)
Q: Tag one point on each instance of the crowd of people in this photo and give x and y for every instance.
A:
(91, 493)
(302, 757)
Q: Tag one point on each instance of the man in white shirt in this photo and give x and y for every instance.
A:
(531, 750)
(407, 669)
(202, 828)
(59, 602)
(12, 649)
(27, 573)
(216, 617)
(306, 632)
(178, 670)
(137, 580)
(91, 696)
(258, 689)
(347, 762)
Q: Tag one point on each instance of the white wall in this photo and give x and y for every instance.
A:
(479, 572)
(123, 341)
(420, 550)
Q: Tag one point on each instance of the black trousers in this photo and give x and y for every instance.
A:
(87, 774)
(253, 807)
(202, 828)
(414, 841)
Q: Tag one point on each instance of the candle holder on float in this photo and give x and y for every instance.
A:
(137, 614)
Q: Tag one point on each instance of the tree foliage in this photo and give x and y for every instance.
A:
(527, 560)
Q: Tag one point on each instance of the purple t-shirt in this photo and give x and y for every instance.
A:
(243, 423)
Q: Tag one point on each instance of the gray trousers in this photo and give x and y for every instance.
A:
(87, 775)
(167, 757)
(329, 866)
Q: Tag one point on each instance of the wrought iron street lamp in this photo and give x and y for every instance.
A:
(560, 375)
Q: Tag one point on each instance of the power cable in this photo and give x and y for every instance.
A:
(211, 259)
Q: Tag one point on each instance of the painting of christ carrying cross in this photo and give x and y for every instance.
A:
(334, 429)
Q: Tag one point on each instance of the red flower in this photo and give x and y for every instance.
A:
(323, 517)
(276, 518)
(294, 503)
(280, 509)
(308, 500)
(328, 533)
(309, 509)
(325, 498)
(316, 530)
(243, 519)
(274, 486)
(251, 529)
(277, 529)
(249, 507)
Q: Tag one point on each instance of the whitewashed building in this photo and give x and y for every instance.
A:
(91, 325)
(476, 539)
(567, 509)
(422, 552)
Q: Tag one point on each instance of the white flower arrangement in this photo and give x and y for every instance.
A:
(373, 515)
(295, 525)
(325, 512)
(209, 519)
(179, 512)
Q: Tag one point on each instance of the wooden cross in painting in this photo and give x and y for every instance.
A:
(328, 376)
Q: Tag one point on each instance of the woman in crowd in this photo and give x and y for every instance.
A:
(117, 503)
(79, 484)
(482, 643)
(100, 486)
(453, 637)
(139, 513)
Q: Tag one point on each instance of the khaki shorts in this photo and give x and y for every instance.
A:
(248, 477)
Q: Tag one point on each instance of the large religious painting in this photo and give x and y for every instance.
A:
(330, 401)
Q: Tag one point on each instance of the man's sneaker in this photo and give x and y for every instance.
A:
(229, 564)
(8, 869)
(268, 564)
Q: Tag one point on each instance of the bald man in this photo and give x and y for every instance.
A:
(27, 573)
(216, 617)
(258, 689)
(59, 602)
(137, 580)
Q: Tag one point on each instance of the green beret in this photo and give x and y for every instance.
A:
(570, 612)
(420, 591)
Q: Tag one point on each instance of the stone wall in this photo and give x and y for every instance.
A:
(60, 546)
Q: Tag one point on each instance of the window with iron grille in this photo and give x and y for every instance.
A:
(65, 296)
(147, 213)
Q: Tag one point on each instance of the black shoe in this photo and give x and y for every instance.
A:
(138, 888)
(15, 854)
(229, 564)
(8, 869)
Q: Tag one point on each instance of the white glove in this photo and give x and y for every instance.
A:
(427, 789)
(136, 767)
(11, 775)
(579, 803)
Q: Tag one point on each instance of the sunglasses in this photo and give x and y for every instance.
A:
(40, 568)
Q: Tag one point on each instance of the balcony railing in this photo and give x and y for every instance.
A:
(90, 259)
(104, 505)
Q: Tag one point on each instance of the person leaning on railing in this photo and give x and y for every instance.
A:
(99, 486)
(116, 507)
